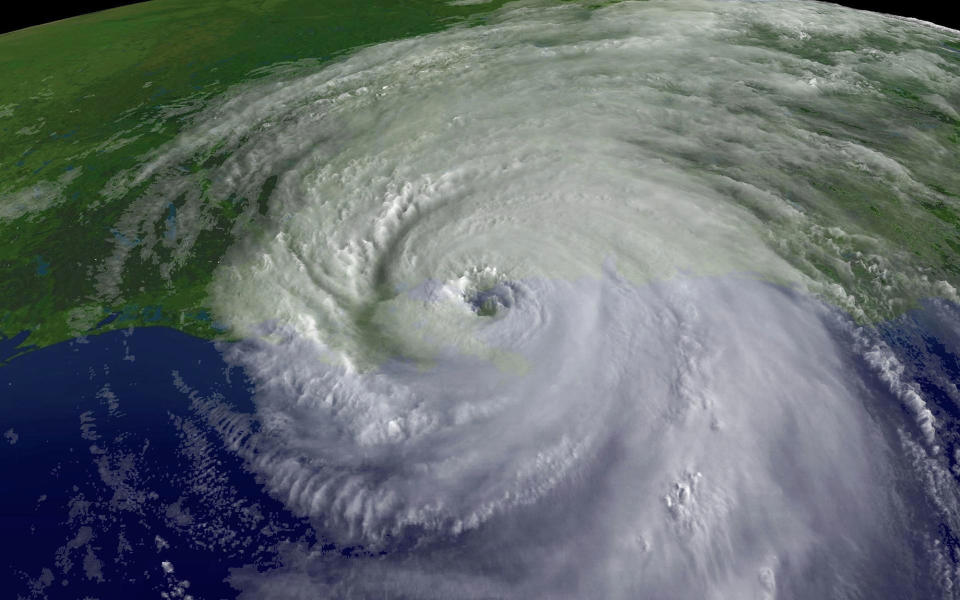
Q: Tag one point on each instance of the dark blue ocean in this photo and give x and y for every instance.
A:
(116, 487)
(113, 486)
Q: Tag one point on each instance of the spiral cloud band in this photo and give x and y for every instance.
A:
(565, 304)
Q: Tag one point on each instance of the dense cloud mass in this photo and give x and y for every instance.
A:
(572, 303)
(697, 438)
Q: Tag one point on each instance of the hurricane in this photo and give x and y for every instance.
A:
(587, 301)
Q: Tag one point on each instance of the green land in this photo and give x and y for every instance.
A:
(89, 97)
(79, 102)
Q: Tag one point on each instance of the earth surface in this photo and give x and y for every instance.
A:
(532, 299)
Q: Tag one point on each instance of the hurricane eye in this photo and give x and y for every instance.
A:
(492, 301)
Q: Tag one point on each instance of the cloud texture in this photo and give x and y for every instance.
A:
(542, 306)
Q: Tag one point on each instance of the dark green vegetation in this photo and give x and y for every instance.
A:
(85, 98)
(911, 201)
(875, 152)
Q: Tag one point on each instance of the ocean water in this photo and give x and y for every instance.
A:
(125, 477)
(115, 488)
(619, 301)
